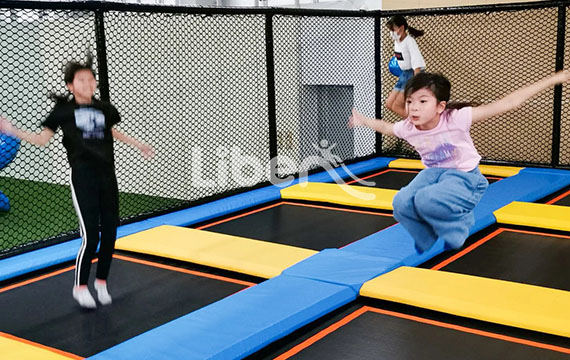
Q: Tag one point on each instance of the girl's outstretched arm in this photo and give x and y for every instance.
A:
(41, 139)
(146, 150)
(518, 97)
(381, 126)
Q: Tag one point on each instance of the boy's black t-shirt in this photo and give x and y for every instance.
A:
(86, 130)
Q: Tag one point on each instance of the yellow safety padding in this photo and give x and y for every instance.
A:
(502, 171)
(361, 196)
(491, 170)
(17, 350)
(536, 215)
(406, 164)
(503, 302)
(247, 256)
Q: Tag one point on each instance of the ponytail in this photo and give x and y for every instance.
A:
(415, 32)
(399, 20)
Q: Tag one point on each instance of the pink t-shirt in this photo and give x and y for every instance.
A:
(448, 145)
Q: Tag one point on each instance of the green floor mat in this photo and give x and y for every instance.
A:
(42, 210)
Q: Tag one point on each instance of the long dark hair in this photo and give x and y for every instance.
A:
(71, 68)
(399, 20)
(438, 85)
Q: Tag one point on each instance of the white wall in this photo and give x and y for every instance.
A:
(175, 78)
(34, 52)
(197, 82)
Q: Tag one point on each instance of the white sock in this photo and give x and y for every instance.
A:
(102, 293)
(83, 296)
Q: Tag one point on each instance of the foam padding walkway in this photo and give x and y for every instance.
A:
(544, 309)
(17, 349)
(245, 322)
(246, 256)
(535, 215)
(492, 170)
(360, 196)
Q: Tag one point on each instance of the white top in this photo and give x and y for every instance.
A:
(408, 54)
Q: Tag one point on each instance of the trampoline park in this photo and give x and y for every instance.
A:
(263, 227)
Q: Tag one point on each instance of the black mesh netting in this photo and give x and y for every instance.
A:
(486, 56)
(198, 86)
(35, 48)
(565, 118)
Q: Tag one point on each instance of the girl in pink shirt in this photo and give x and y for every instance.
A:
(439, 202)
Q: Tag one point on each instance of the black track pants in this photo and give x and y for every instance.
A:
(96, 200)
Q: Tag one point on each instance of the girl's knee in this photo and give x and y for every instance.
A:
(402, 200)
(428, 203)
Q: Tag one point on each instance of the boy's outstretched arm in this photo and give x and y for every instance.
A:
(381, 126)
(146, 150)
(41, 139)
(518, 97)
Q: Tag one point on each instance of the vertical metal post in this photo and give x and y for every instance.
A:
(557, 116)
(102, 54)
(378, 79)
(271, 108)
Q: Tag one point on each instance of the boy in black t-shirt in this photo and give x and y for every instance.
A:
(88, 134)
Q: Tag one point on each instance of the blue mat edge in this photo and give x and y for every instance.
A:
(67, 251)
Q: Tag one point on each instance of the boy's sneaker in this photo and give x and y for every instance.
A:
(83, 297)
(102, 293)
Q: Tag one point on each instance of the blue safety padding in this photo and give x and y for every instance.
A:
(529, 184)
(39, 259)
(394, 242)
(343, 267)
(45, 257)
(238, 325)
(359, 168)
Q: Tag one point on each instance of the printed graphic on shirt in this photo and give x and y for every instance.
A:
(398, 55)
(91, 122)
(444, 153)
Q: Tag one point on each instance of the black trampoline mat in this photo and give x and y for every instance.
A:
(520, 256)
(303, 225)
(396, 179)
(144, 297)
(372, 334)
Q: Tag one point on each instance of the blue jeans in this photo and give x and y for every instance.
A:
(439, 203)
(403, 79)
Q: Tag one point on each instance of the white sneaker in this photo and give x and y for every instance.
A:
(102, 293)
(83, 297)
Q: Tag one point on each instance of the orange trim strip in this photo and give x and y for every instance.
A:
(562, 196)
(473, 331)
(238, 216)
(126, 258)
(287, 203)
(467, 250)
(337, 209)
(186, 271)
(489, 237)
(313, 339)
(320, 335)
(28, 342)
(41, 277)
(32, 280)
(538, 233)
